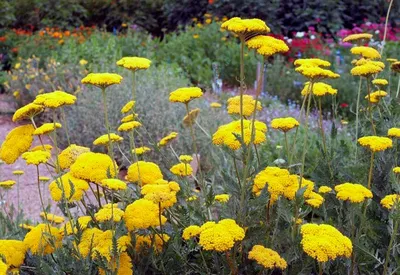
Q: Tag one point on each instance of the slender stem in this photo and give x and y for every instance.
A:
(287, 148)
(241, 84)
(370, 107)
(386, 24)
(392, 238)
(55, 140)
(371, 166)
(133, 86)
(357, 115)
(18, 198)
(398, 87)
(40, 193)
(236, 171)
(321, 269)
(202, 129)
(321, 124)
(232, 266)
(65, 125)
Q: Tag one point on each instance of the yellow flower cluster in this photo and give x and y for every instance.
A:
(144, 172)
(267, 45)
(394, 132)
(7, 184)
(312, 62)
(36, 157)
(46, 128)
(357, 36)
(185, 158)
(69, 155)
(129, 126)
(146, 242)
(380, 82)
(185, 95)
(92, 167)
(105, 139)
(142, 214)
(396, 170)
(352, 192)
(134, 63)
(162, 193)
(52, 218)
(18, 172)
(141, 150)
(318, 89)
(390, 200)
(366, 52)
(102, 80)
(43, 239)
(128, 106)
(182, 169)
(223, 198)
(324, 242)
(376, 96)
(114, 184)
(375, 143)
(165, 140)
(55, 99)
(13, 252)
(367, 68)
(316, 72)
(215, 105)
(190, 232)
(96, 242)
(122, 266)
(266, 257)
(129, 118)
(314, 200)
(81, 221)
(62, 186)
(109, 212)
(249, 104)
(17, 142)
(245, 26)
(284, 124)
(3, 268)
(26, 112)
(324, 189)
(44, 147)
(227, 134)
(191, 117)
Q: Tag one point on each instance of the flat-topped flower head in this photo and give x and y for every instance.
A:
(128, 106)
(267, 45)
(318, 89)
(390, 200)
(182, 169)
(55, 99)
(376, 96)
(190, 118)
(109, 212)
(93, 167)
(395, 66)
(249, 104)
(266, 257)
(312, 62)
(104, 139)
(162, 193)
(190, 232)
(215, 105)
(7, 184)
(114, 184)
(222, 198)
(394, 133)
(46, 128)
(134, 63)
(18, 172)
(43, 239)
(141, 150)
(314, 72)
(13, 253)
(42, 147)
(380, 82)
(185, 95)
(167, 139)
(366, 69)
(27, 112)
(185, 158)
(17, 141)
(102, 80)
(391, 60)
(36, 157)
(69, 155)
(324, 242)
(314, 200)
(396, 170)
(284, 124)
(142, 214)
(375, 143)
(324, 189)
(144, 172)
(352, 192)
(52, 218)
(61, 188)
(129, 126)
(363, 61)
(245, 27)
(366, 52)
(357, 37)
(128, 118)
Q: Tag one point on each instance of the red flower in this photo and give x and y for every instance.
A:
(344, 105)
(210, 2)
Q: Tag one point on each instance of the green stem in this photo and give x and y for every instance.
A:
(65, 125)
(357, 114)
(392, 238)
(371, 166)
(398, 87)
(370, 107)
(321, 269)
(133, 86)
(386, 24)
(287, 148)
(241, 85)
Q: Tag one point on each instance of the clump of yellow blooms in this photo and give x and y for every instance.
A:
(190, 118)
(185, 158)
(223, 198)
(83, 223)
(266, 257)
(129, 118)
(226, 134)
(92, 167)
(390, 200)
(129, 126)
(352, 192)
(18, 172)
(7, 184)
(314, 199)
(43, 239)
(324, 189)
(52, 218)
(69, 155)
(165, 140)
(380, 82)
(142, 214)
(366, 52)
(375, 143)
(102, 80)
(109, 212)
(44, 147)
(190, 232)
(394, 133)
(128, 106)
(215, 105)
(17, 142)
(62, 187)
(241, 26)
(182, 169)
(284, 124)
(311, 62)
(396, 170)
(162, 193)
(314, 72)
(249, 104)
(141, 150)
(134, 63)
(185, 95)
(157, 241)
(318, 89)
(357, 36)
(55, 99)
(144, 172)
(267, 45)
(105, 139)
(36, 157)
(376, 96)
(114, 184)
(96, 242)
(324, 242)
(13, 252)
(26, 112)
(366, 69)
(46, 128)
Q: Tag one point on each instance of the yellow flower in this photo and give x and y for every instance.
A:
(102, 80)
(191, 117)
(52, 218)
(43, 239)
(46, 128)
(8, 184)
(394, 132)
(162, 193)
(62, 187)
(222, 198)
(26, 112)
(390, 200)
(284, 124)
(44, 147)
(18, 172)
(109, 212)
(185, 158)
(215, 105)
(375, 143)
(3, 268)
(16, 143)
(142, 214)
(122, 266)
(128, 106)
(182, 169)
(395, 66)
(13, 252)
(313, 72)
(129, 126)
(375, 97)
(69, 155)
(93, 167)
(129, 118)
(144, 172)
(324, 189)
(312, 62)
(96, 242)
(352, 192)
(396, 170)
(104, 139)
(267, 45)
(45, 179)
(363, 61)
(266, 257)
(141, 150)
(367, 69)
(185, 95)
(114, 184)
(83, 62)
(134, 63)
(36, 157)
(192, 198)
(391, 60)
(190, 232)
(245, 26)
(319, 89)
(357, 36)
(366, 52)
(380, 82)
(17, 66)
(55, 99)
(324, 242)
(314, 199)
(249, 104)
(165, 140)
(143, 242)
(195, 36)
(83, 224)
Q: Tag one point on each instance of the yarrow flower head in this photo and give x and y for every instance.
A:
(27, 112)
(102, 80)
(43, 239)
(324, 189)
(93, 167)
(144, 172)
(366, 68)
(129, 126)
(185, 95)
(185, 158)
(16, 143)
(167, 139)
(314, 72)
(141, 150)
(114, 184)
(223, 198)
(142, 214)
(13, 252)
(284, 124)
(162, 193)
(52, 218)
(55, 99)
(69, 155)
(376, 96)
(128, 106)
(324, 242)
(267, 45)
(105, 139)
(395, 66)
(390, 200)
(357, 37)
(394, 133)
(314, 200)
(366, 52)
(375, 143)
(380, 82)
(266, 257)
(312, 62)
(134, 63)
(68, 187)
(182, 169)
(36, 157)
(190, 232)
(18, 172)
(245, 27)
(128, 118)
(7, 184)
(42, 147)
(249, 104)
(46, 128)
(215, 105)
(318, 89)
(396, 170)
(352, 192)
(109, 212)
